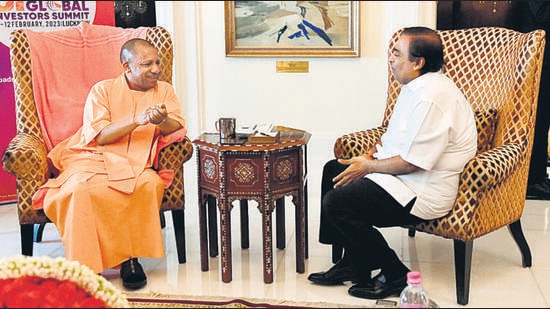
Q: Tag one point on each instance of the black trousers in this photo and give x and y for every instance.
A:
(350, 215)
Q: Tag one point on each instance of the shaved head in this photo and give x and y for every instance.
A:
(129, 48)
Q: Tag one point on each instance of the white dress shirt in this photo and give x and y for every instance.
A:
(433, 127)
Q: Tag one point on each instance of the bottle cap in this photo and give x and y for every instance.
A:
(413, 277)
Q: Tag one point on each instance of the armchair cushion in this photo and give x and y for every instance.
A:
(491, 168)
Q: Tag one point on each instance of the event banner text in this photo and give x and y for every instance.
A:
(43, 14)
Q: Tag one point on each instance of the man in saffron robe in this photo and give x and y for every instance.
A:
(105, 201)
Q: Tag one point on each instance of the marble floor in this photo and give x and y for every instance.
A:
(497, 278)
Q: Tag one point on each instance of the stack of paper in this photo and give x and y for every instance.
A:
(264, 133)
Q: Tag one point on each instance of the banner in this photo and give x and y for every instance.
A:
(37, 16)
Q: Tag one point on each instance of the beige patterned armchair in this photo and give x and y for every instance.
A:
(25, 156)
(499, 71)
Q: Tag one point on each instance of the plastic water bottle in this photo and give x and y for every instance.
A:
(413, 295)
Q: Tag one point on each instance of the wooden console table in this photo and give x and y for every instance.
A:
(265, 173)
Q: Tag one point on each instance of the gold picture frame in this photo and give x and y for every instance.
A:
(291, 28)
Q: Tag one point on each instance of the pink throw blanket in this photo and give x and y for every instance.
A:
(65, 65)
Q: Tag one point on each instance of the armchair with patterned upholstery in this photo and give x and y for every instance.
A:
(25, 156)
(498, 71)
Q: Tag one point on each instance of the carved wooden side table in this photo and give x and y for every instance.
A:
(265, 173)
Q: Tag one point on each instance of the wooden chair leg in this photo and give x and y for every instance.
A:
(336, 253)
(162, 220)
(178, 219)
(515, 229)
(38, 231)
(27, 233)
(463, 267)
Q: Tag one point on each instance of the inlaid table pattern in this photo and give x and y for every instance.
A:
(244, 171)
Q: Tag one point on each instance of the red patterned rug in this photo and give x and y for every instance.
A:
(164, 301)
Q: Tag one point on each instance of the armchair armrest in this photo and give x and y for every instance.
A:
(486, 169)
(490, 168)
(25, 158)
(357, 143)
(174, 155)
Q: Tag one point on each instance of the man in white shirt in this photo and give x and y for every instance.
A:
(411, 174)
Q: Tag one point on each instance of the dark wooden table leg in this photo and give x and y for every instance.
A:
(212, 226)
(305, 181)
(306, 217)
(245, 243)
(280, 222)
(268, 246)
(300, 232)
(225, 241)
(203, 232)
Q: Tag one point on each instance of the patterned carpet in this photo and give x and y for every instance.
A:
(172, 301)
(178, 301)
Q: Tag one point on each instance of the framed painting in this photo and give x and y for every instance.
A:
(291, 28)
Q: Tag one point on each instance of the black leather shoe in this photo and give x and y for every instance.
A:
(378, 287)
(132, 274)
(337, 274)
(539, 191)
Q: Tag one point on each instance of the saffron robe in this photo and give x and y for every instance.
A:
(106, 200)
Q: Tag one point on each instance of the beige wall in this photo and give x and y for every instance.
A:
(337, 96)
